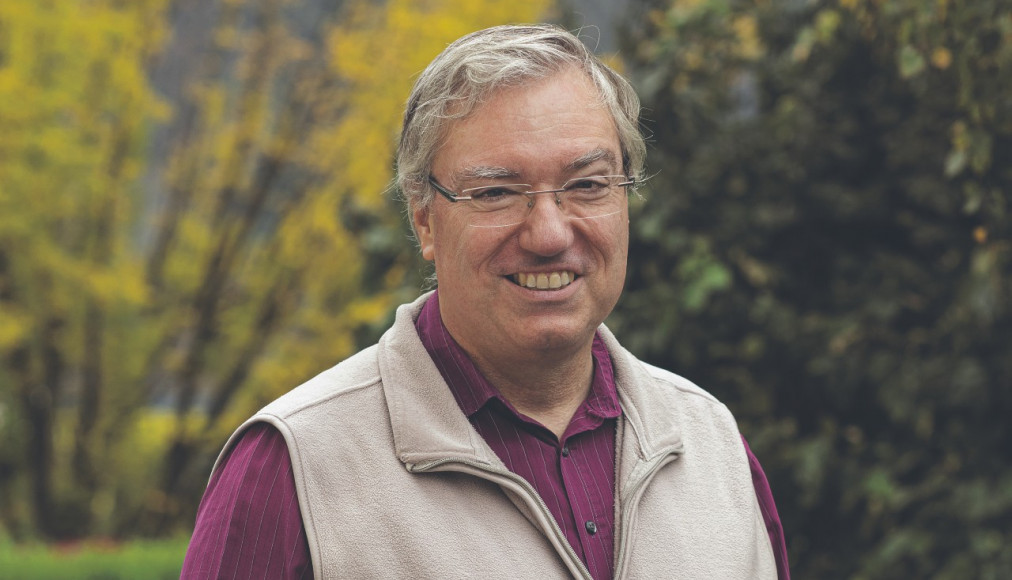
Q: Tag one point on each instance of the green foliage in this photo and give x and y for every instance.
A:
(161, 560)
(828, 247)
(203, 247)
(73, 117)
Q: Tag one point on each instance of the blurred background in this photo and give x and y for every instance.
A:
(195, 217)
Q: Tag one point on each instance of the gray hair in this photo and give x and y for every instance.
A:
(475, 66)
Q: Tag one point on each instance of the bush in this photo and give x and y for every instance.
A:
(827, 248)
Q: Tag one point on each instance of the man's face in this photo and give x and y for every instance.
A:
(541, 133)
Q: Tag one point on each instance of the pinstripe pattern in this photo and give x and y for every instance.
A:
(248, 524)
(577, 488)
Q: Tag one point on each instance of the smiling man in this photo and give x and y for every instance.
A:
(498, 430)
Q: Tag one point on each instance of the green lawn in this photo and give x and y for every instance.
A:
(155, 560)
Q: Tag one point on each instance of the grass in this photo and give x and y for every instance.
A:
(93, 560)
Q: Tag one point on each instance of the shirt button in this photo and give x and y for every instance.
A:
(565, 451)
(591, 528)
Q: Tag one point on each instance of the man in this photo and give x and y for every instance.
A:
(498, 430)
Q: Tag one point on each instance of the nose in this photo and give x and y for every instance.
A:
(546, 231)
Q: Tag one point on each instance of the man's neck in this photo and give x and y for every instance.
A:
(548, 389)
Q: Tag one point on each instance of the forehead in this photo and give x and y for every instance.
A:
(555, 122)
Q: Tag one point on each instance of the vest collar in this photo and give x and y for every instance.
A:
(428, 425)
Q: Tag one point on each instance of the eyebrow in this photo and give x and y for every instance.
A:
(481, 172)
(591, 157)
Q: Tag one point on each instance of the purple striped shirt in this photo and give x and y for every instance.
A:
(249, 524)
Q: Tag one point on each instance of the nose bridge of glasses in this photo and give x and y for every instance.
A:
(558, 198)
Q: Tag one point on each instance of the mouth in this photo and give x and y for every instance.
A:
(543, 280)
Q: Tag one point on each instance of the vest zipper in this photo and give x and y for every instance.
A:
(629, 506)
(483, 471)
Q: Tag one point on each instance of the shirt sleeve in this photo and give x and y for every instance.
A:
(248, 523)
(770, 516)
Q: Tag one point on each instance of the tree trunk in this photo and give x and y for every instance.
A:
(38, 398)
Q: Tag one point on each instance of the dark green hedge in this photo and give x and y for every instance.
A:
(826, 247)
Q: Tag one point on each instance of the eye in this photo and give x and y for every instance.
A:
(495, 196)
(588, 186)
(588, 183)
(490, 193)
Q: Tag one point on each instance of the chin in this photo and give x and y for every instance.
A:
(557, 337)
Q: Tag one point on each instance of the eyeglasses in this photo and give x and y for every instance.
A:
(496, 206)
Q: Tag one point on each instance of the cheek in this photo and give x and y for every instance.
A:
(443, 238)
(612, 243)
(457, 253)
(474, 246)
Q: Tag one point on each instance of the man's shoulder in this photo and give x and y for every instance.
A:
(679, 383)
(654, 395)
(322, 408)
(669, 382)
(358, 372)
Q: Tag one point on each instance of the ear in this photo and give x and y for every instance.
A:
(421, 218)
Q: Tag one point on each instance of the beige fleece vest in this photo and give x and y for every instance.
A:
(393, 482)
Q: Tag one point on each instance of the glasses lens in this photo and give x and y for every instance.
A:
(592, 197)
(498, 205)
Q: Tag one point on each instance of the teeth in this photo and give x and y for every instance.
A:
(544, 280)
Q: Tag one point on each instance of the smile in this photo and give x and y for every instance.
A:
(544, 280)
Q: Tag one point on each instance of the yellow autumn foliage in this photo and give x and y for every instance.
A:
(73, 103)
(746, 29)
(201, 249)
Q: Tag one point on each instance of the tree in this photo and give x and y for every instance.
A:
(285, 182)
(826, 246)
(170, 262)
(71, 127)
